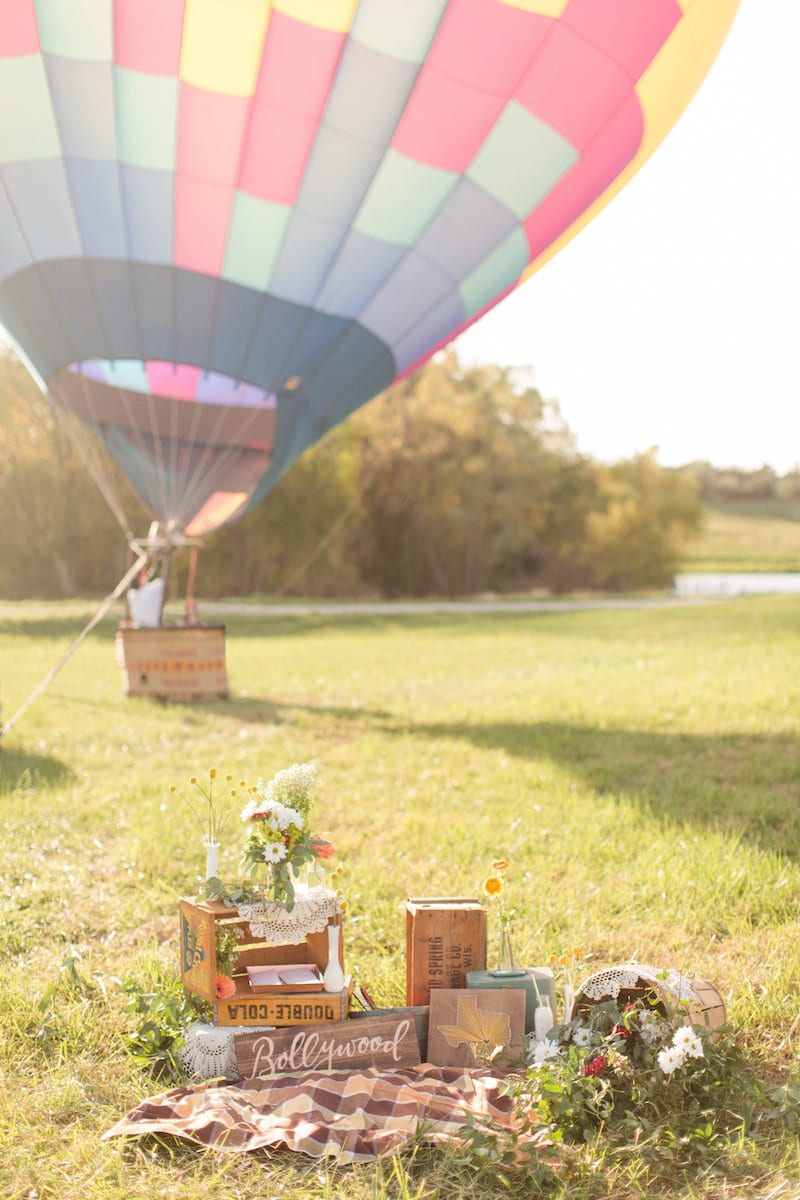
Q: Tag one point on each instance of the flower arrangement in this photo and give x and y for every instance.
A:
(277, 817)
(493, 886)
(218, 809)
(631, 1071)
(615, 1058)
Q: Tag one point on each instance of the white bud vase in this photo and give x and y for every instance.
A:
(333, 979)
(569, 1002)
(212, 859)
(542, 1020)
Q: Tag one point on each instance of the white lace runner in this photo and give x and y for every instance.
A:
(311, 914)
(209, 1051)
(609, 983)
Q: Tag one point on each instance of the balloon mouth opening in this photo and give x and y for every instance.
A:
(173, 381)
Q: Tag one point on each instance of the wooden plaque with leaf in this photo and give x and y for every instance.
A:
(476, 1028)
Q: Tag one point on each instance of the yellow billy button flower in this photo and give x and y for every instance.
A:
(212, 774)
(492, 886)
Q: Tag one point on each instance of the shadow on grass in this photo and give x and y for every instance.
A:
(20, 770)
(743, 783)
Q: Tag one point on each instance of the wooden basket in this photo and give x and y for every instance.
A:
(694, 997)
(182, 663)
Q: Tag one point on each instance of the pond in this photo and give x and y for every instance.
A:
(737, 583)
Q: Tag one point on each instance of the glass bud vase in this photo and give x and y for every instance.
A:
(333, 979)
(505, 959)
(212, 859)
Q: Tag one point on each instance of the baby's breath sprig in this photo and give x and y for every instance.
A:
(217, 810)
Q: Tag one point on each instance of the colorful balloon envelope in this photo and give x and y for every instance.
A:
(226, 224)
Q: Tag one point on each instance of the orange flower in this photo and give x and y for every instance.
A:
(225, 987)
(492, 886)
(500, 865)
(323, 849)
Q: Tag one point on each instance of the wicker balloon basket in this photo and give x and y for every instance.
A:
(673, 993)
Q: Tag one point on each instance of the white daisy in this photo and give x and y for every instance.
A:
(582, 1037)
(542, 1052)
(653, 1028)
(274, 852)
(687, 1041)
(670, 1059)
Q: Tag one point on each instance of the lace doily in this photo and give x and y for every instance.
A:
(311, 914)
(609, 983)
(209, 1051)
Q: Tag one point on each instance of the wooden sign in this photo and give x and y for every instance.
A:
(466, 1026)
(381, 1042)
(292, 1008)
(445, 938)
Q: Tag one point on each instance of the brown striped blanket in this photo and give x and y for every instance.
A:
(350, 1116)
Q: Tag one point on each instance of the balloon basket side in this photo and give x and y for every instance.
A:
(173, 662)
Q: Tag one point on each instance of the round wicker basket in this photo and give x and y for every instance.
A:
(695, 998)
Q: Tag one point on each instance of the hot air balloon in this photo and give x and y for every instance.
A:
(226, 225)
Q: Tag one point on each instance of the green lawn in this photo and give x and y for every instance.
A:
(639, 770)
(752, 535)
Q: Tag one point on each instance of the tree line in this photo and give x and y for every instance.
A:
(459, 480)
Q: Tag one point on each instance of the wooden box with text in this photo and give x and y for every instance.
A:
(445, 938)
(199, 921)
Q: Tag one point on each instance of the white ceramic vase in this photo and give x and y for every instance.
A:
(543, 1020)
(212, 859)
(333, 979)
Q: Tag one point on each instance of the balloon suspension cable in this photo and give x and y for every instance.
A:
(141, 561)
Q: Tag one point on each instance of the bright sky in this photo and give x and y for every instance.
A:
(673, 319)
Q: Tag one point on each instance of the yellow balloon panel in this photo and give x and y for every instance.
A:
(336, 15)
(223, 44)
(545, 8)
(664, 91)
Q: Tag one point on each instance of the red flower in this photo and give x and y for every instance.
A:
(622, 1032)
(323, 849)
(225, 987)
(597, 1066)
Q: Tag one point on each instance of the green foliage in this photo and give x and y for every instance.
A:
(163, 1016)
(456, 481)
(50, 547)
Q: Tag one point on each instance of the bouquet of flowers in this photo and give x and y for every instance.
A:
(277, 817)
(623, 1057)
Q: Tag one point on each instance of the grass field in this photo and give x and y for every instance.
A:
(639, 770)
(752, 535)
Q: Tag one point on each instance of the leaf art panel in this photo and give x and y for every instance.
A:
(467, 1027)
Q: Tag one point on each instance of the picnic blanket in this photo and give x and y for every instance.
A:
(350, 1116)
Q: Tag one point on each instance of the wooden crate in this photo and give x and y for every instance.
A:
(199, 921)
(445, 938)
(173, 662)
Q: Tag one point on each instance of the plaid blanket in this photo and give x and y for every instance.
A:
(350, 1116)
